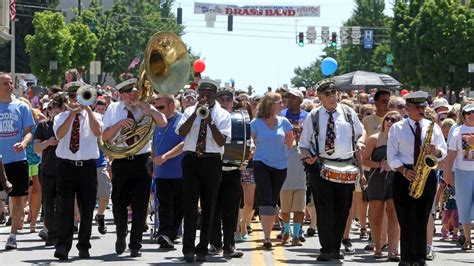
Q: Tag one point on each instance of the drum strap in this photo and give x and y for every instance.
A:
(315, 120)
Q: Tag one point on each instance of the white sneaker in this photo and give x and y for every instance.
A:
(11, 243)
(430, 253)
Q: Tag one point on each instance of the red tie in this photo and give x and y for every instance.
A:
(74, 142)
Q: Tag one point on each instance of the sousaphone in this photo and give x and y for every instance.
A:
(165, 69)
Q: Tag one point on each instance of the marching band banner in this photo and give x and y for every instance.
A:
(258, 11)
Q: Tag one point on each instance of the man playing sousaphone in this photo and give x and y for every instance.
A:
(327, 144)
(130, 183)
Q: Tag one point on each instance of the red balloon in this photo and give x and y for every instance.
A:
(199, 66)
(403, 92)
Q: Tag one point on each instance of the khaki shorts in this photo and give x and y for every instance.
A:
(293, 200)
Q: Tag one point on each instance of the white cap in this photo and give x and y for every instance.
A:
(73, 86)
(296, 93)
(468, 107)
(441, 103)
(417, 97)
(208, 84)
(127, 85)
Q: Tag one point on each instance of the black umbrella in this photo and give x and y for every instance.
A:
(357, 79)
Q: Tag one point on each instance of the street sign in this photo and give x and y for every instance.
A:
(311, 34)
(470, 68)
(325, 34)
(368, 39)
(53, 65)
(210, 19)
(343, 34)
(355, 35)
(386, 69)
(95, 68)
(389, 60)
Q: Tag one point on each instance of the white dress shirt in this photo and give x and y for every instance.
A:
(117, 111)
(401, 141)
(88, 147)
(221, 119)
(343, 148)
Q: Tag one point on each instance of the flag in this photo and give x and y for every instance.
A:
(134, 63)
(12, 10)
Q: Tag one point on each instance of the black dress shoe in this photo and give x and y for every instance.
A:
(324, 257)
(84, 254)
(189, 258)
(120, 245)
(135, 252)
(61, 254)
(404, 263)
(201, 257)
(337, 255)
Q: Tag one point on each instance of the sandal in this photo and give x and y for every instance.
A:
(467, 246)
(363, 233)
(393, 256)
(378, 255)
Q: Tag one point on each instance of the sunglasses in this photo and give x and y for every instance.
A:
(161, 107)
(469, 113)
(329, 93)
(392, 119)
(279, 102)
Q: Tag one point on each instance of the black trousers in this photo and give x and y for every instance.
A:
(48, 194)
(170, 208)
(413, 217)
(333, 202)
(227, 210)
(201, 180)
(130, 186)
(75, 182)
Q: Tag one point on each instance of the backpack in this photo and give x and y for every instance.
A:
(315, 120)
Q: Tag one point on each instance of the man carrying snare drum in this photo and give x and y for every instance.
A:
(329, 138)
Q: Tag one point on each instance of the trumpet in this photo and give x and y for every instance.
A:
(203, 111)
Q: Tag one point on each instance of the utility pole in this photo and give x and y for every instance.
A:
(79, 7)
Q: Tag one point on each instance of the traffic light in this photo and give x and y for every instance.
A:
(301, 39)
(334, 39)
(179, 17)
(230, 23)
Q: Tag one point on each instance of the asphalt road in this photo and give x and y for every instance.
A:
(31, 250)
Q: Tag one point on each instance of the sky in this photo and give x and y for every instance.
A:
(260, 51)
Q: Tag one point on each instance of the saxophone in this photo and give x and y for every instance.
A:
(424, 164)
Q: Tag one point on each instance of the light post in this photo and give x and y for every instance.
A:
(452, 69)
(53, 66)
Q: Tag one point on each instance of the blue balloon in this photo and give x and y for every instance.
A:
(328, 66)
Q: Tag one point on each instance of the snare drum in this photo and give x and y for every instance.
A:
(339, 172)
(237, 150)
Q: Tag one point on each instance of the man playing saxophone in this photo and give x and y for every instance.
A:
(412, 143)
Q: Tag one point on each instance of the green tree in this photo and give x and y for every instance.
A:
(444, 36)
(402, 34)
(85, 43)
(23, 27)
(52, 41)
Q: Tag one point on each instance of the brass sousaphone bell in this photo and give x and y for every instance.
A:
(165, 69)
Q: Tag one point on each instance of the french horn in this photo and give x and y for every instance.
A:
(165, 69)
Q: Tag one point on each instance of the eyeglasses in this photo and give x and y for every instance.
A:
(160, 107)
(392, 119)
(329, 93)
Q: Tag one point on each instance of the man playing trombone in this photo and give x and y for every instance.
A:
(130, 182)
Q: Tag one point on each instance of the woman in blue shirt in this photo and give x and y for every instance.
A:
(270, 133)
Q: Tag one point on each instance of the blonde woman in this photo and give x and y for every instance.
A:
(270, 133)
(379, 188)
